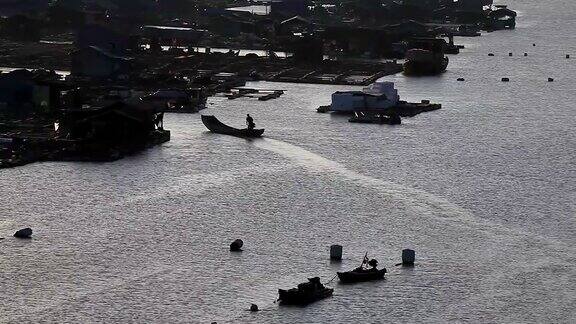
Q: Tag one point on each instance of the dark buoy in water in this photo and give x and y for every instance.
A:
(336, 252)
(236, 246)
(408, 257)
(254, 308)
(533, 44)
(460, 79)
(505, 79)
(24, 233)
(510, 54)
(550, 80)
(490, 54)
(525, 54)
(567, 56)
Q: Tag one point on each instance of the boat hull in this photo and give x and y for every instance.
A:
(354, 276)
(216, 126)
(295, 297)
(373, 118)
(415, 68)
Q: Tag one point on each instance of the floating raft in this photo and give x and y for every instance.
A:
(260, 94)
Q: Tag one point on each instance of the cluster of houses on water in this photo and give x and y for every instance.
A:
(128, 62)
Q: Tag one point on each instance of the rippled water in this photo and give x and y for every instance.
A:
(483, 190)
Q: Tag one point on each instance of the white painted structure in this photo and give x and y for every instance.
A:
(379, 95)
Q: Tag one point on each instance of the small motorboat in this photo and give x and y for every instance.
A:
(306, 293)
(216, 126)
(362, 273)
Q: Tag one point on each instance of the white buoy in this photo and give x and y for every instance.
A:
(336, 252)
(408, 257)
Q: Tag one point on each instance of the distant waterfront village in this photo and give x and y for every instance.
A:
(91, 80)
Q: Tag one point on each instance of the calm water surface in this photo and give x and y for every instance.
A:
(483, 190)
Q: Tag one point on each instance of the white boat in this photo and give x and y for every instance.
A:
(379, 95)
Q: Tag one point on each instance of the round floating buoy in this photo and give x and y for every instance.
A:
(336, 252)
(408, 257)
(254, 308)
(533, 44)
(490, 54)
(505, 79)
(525, 54)
(510, 54)
(550, 80)
(567, 56)
(24, 233)
(460, 79)
(236, 246)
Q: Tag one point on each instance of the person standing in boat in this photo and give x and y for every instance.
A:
(250, 122)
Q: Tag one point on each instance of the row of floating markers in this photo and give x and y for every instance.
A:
(525, 54)
(408, 255)
(503, 79)
(508, 79)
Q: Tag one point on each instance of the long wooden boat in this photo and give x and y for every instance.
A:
(216, 126)
(360, 275)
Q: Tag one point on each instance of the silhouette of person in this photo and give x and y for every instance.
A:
(250, 122)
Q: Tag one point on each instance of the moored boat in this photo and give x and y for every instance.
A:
(216, 126)
(426, 57)
(305, 293)
(362, 273)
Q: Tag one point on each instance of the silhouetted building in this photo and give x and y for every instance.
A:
(23, 92)
(289, 7)
(94, 62)
(103, 38)
(118, 123)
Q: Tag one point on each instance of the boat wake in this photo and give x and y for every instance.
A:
(421, 202)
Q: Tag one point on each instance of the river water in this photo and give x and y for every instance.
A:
(482, 189)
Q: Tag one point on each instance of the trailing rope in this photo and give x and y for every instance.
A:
(331, 279)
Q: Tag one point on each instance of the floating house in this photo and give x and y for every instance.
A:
(379, 95)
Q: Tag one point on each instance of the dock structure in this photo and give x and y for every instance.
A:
(357, 73)
(260, 94)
